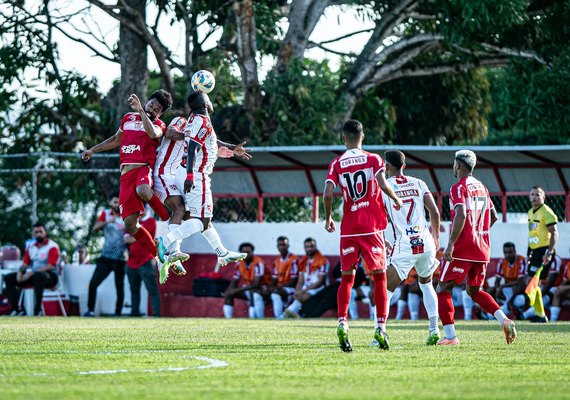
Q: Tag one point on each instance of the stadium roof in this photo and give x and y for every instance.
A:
(301, 170)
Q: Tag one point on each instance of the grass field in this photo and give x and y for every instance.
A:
(73, 358)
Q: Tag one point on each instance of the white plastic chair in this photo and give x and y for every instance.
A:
(56, 290)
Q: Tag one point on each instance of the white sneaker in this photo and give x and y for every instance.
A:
(231, 256)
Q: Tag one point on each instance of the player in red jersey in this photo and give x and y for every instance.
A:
(468, 251)
(138, 136)
(361, 177)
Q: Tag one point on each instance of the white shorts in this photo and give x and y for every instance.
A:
(313, 292)
(199, 201)
(425, 263)
(167, 185)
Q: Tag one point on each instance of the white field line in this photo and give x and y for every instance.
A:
(212, 363)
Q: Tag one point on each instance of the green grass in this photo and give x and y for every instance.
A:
(275, 360)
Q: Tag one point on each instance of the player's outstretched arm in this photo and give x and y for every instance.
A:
(328, 201)
(434, 217)
(173, 134)
(387, 188)
(238, 150)
(107, 144)
(456, 228)
(153, 131)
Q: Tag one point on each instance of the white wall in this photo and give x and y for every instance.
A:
(264, 237)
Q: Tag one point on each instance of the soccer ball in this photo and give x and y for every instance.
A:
(203, 81)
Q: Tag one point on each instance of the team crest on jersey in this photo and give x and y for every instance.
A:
(130, 149)
(202, 133)
(348, 250)
(173, 188)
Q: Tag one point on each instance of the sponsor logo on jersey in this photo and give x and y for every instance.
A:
(130, 149)
(348, 250)
(173, 188)
(202, 133)
(456, 269)
(377, 250)
(413, 230)
(358, 206)
(533, 240)
(353, 161)
(407, 193)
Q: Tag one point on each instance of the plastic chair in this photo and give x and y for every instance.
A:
(55, 290)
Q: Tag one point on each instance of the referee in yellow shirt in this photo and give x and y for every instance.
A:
(542, 238)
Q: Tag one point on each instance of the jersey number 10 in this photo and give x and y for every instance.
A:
(356, 184)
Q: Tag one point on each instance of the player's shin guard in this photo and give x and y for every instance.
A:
(158, 207)
(213, 238)
(381, 299)
(145, 239)
(258, 305)
(186, 229)
(343, 295)
(277, 305)
(446, 308)
(174, 246)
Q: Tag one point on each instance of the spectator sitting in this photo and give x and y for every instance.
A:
(313, 270)
(561, 293)
(38, 270)
(510, 276)
(326, 299)
(112, 257)
(141, 267)
(254, 279)
(80, 255)
(285, 276)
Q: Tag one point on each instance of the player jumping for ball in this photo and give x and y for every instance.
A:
(361, 176)
(201, 156)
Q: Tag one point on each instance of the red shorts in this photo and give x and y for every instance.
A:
(129, 201)
(370, 247)
(457, 270)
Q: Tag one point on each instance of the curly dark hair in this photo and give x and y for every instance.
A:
(164, 98)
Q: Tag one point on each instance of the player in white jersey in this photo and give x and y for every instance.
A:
(201, 155)
(414, 245)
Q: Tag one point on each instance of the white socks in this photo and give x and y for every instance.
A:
(373, 314)
(175, 246)
(211, 235)
(352, 306)
(414, 306)
(554, 313)
(401, 309)
(228, 311)
(295, 306)
(467, 306)
(187, 229)
(258, 305)
(500, 315)
(277, 305)
(449, 331)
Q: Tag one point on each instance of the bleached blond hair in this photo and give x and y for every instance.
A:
(467, 157)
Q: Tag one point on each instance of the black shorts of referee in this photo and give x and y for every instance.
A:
(534, 261)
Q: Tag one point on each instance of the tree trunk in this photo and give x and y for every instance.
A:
(133, 55)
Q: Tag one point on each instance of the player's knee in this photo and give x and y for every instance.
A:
(472, 290)
(144, 192)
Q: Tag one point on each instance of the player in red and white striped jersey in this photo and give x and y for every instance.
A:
(360, 175)
(414, 245)
(201, 157)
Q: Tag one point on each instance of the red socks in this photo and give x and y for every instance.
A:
(445, 308)
(145, 239)
(158, 207)
(486, 301)
(343, 295)
(380, 297)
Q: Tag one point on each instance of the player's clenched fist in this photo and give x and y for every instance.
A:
(398, 204)
(135, 102)
(188, 185)
(87, 154)
(329, 225)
